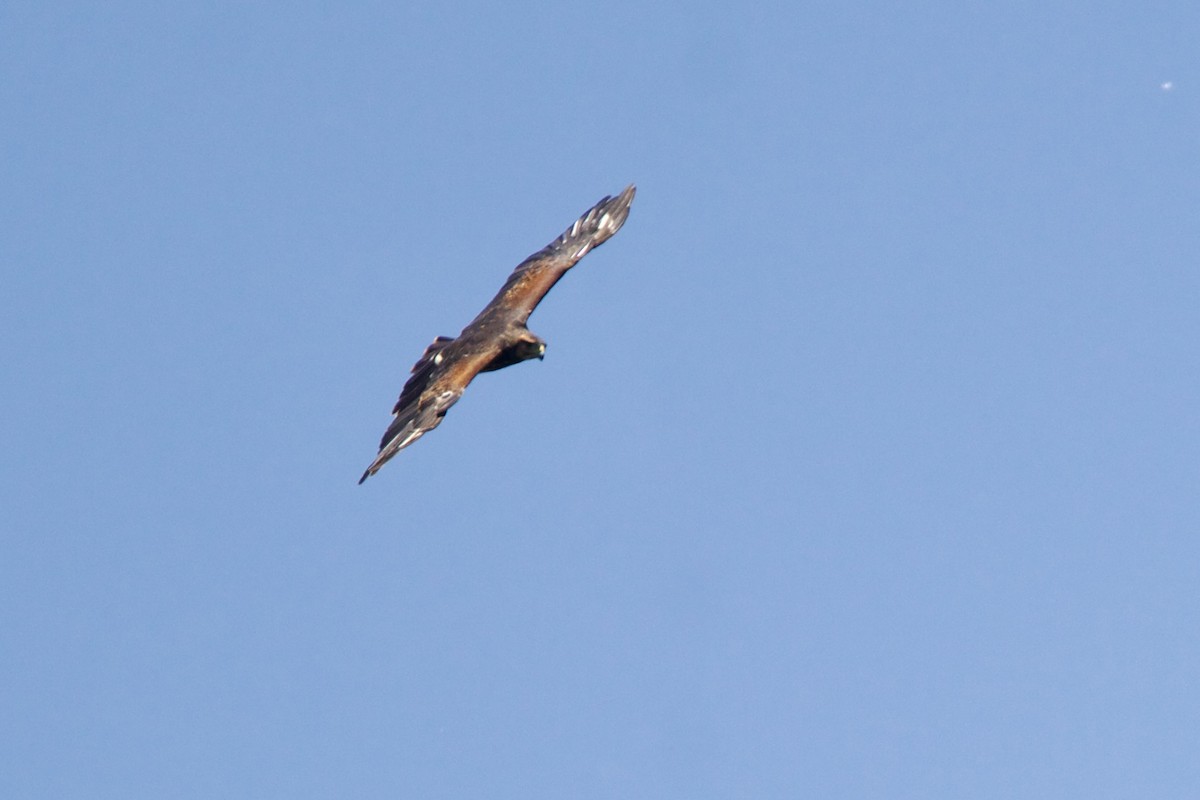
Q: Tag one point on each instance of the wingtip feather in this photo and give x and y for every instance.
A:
(598, 224)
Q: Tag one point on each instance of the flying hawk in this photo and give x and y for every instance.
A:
(497, 338)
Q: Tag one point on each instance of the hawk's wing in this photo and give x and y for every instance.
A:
(437, 381)
(536, 275)
(412, 424)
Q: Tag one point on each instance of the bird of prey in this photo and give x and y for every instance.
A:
(497, 338)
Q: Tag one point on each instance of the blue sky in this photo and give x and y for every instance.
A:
(863, 461)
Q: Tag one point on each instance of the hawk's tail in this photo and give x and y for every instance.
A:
(596, 226)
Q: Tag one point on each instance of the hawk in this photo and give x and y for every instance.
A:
(498, 337)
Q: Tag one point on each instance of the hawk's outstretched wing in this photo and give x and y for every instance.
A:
(536, 275)
(406, 428)
(497, 337)
(426, 397)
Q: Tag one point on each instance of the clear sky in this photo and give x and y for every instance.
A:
(864, 461)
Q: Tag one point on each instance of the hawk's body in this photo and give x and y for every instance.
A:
(498, 337)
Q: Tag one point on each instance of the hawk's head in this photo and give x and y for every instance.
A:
(530, 347)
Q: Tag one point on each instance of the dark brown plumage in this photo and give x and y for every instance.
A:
(498, 337)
